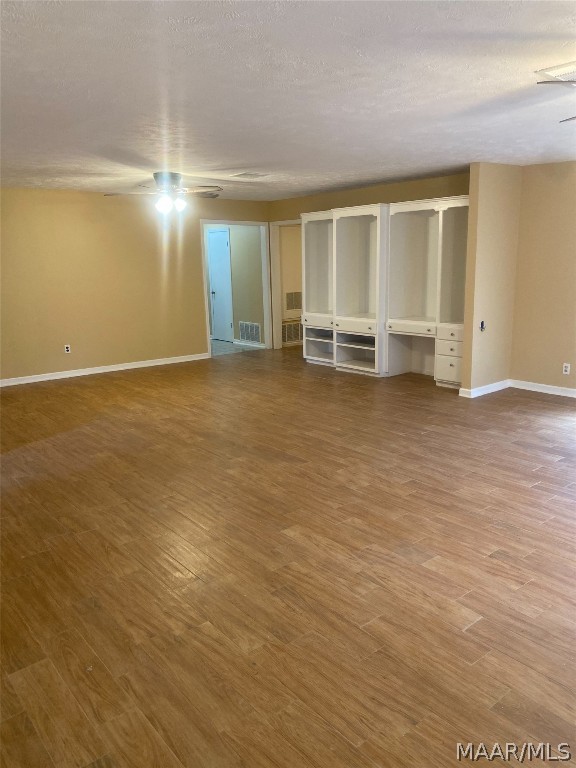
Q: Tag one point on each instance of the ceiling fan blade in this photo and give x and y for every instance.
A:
(556, 82)
(197, 190)
(568, 119)
(126, 194)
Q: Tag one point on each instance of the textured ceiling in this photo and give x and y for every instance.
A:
(317, 95)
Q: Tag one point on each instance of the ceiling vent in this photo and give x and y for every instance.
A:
(561, 72)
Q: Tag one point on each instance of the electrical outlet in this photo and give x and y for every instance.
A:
(566, 368)
(67, 348)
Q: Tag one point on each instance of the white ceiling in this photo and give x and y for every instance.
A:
(318, 95)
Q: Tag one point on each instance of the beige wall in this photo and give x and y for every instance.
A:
(419, 189)
(545, 311)
(290, 247)
(98, 273)
(495, 197)
(246, 267)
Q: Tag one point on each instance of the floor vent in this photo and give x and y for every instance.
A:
(250, 332)
(294, 300)
(291, 332)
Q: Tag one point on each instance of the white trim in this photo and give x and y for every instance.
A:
(205, 224)
(266, 285)
(433, 204)
(546, 389)
(101, 369)
(530, 386)
(485, 390)
(206, 282)
(254, 344)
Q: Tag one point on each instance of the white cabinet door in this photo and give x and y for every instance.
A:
(448, 369)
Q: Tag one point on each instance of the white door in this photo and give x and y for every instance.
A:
(220, 276)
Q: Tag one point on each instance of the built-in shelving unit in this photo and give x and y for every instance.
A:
(427, 273)
(345, 293)
(384, 287)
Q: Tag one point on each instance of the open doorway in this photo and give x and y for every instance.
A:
(237, 286)
(286, 268)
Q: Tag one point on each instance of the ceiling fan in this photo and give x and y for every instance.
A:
(560, 82)
(168, 187)
(560, 75)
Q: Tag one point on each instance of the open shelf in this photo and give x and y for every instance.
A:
(413, 283)
(319, 349)
(359, 365)
(356, 340)
(453, 265)
(356, 357)
(357, 266)
(318, 266)
(319, 334)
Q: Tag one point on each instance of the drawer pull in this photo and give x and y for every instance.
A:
(389, 325)
(331, 322)
(305, 319)
(451, 349)
(452, 334)
(428, 330)
(337, 325)
(369, 327)
(451, 365)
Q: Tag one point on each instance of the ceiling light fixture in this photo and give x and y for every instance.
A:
(180, 204)
(164, 204)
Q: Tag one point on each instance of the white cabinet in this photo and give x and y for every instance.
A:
(344, 268)
(427, 273)
(448, 369)
(450, 348)
(383, 288)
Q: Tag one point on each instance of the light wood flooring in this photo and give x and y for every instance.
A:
(250, 561)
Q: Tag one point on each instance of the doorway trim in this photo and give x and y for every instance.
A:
(265, 254)
(276, 277)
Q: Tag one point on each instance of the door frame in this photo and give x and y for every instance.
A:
(276, 277)
(205, 224)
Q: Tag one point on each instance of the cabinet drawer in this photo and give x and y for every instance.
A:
(448, 369)
(451, 332)
(419, 327)
(355, 326)
(450, 348)
(317, 320)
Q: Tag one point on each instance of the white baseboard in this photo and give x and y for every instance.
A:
(546, 389)
(255, 344)
(531, 386)
(486, 390)
(101, 369)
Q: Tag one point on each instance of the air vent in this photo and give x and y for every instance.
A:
(560, 72)
(291, 332)
(250, 332)
(294, 300)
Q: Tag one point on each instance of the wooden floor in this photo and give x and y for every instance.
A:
(248, 561)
